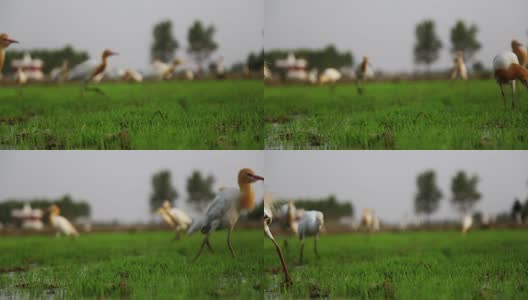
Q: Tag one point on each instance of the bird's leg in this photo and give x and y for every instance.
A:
(205, 241)
(178, 236)
(513, 94)
(286, 243)
(229, 242)
(358, 86)
(315, 246)
(503, 96)
(209, 246)
(287, 277)
(302, 251)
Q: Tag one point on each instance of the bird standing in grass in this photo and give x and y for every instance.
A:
(90, 71)
(5, 41)
(268, 217)
(289, 217)
(164, 71)
(330, 76)
(310, 224)
(506, 70)
(175, 218)
(60, 223)
(365, 73)
(467, 222)
(521, 52)
(459, 69)
(226, 208)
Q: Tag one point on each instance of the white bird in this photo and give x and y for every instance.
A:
(91, 70)
(507, 69)
(289, 217)
(60, 223)
(20, 76)
(131, 75)
(459, 69)
(330, 76)
(5, 41)
(268, 217)
(225, 209)
(175, 218)
(267, 72)
(189, 74)
(310, 225)
(62, 73)
(467, 222)
(163, 71)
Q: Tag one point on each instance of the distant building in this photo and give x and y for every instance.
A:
(28, 218)
(31, 67)
(295, 67)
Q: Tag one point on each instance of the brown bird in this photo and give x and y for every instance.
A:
(521, 52)
(5, 41)
(90, 71)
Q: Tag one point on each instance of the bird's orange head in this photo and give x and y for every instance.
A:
(166, 204)
(247, 176)
(365, 58)
(108, 53)
(5, 40)
(54, 209)
(515, 44)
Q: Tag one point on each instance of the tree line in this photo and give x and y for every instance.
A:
(52, 58)
(70, 208)
(320, 59)
(463, 38)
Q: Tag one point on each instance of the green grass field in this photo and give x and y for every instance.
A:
(152, 115)
(146, 265)
(412, 265)
(405, 115)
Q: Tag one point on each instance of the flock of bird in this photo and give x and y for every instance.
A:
(94, 71)
(508, 66)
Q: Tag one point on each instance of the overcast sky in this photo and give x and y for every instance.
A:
(384, 29)
(126, 25)
(386, 180)
(117, 183)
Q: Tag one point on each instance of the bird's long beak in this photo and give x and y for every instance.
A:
(256, 177)
(11, 41)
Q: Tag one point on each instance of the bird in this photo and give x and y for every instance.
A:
(224, 210)
(62, 73)
(367, 219)
(5, 41)
(507, 69)
(175, 218)
(163, 71)
(330, 76)
(189, 74)
(20, 79)
(310, 225)
(90, 70)
(267, 72)
(459, 69)
(365, 73)
(521, 52)
(268, 218)
(289, 217)
(131, 75)
(466, 223)
(60, 223)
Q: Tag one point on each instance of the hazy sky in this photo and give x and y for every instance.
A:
(126, 25)
(384, 29)
(117, 183)
(386, 180)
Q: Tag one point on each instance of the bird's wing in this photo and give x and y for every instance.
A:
(181, 216)
(83, 70)
(65, 226)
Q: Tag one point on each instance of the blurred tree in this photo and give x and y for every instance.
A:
(428, 45)
(524, 212)
(516, 211)
(328, 57)
(478, 217)
(464, 38)
(164, 44)
(238, 67)
(465, 193)
(200, 189)
(255, 62)
(162, 190)
(428, 197)
(201, 43)
(52, 58)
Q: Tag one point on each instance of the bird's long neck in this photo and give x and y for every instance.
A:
(103, 62)
(2, 59)
(518, 72)
(247, 196)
